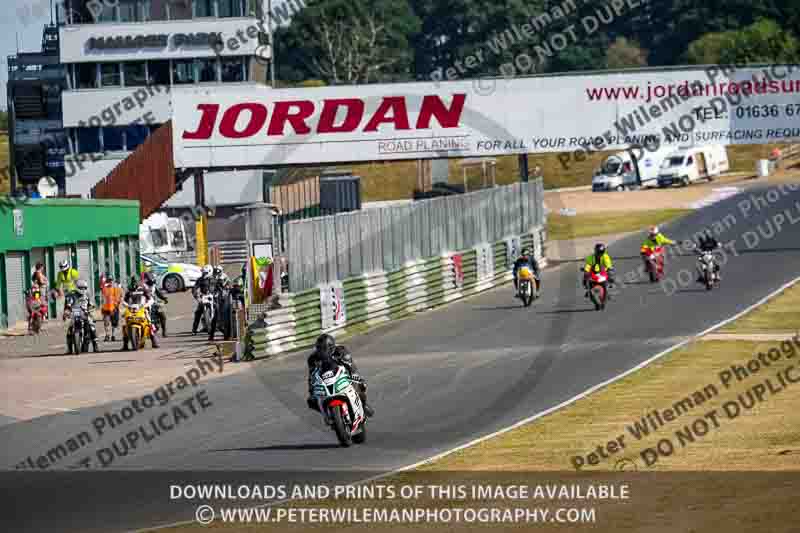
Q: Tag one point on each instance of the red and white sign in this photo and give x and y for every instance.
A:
(261, 126)
(332, 306)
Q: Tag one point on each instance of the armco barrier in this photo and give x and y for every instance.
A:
(380, 297)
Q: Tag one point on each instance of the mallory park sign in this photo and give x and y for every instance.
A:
(156, 40)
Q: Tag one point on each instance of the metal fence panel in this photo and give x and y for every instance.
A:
(355, 222)
(330, 248)
(387, 240)
(398, 258)
(342, 251)
(407, 233)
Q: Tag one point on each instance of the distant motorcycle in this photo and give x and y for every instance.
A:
(707, 267)
(340, 404)
(653, 262)
(527, 285)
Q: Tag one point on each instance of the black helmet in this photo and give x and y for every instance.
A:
(526, 252)
(149, 278)
(133, 284)
(325, 345)
(599, 248)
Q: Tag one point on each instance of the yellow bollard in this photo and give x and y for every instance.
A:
(201, 244)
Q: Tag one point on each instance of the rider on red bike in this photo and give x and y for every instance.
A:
(598, 261)
(655, 239)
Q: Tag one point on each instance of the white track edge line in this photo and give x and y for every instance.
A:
(538, 415)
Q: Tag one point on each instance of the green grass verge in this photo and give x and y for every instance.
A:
(561, 227)
(779, 315)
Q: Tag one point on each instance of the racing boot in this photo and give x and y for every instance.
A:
(368, 410)
(154, 339)
(312, 404)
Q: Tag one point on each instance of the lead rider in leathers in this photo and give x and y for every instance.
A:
(326, 348)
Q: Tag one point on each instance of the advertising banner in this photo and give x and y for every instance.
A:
(513, 249)
(334, 312)
(458, 270)
(485, 258)
(604, 111)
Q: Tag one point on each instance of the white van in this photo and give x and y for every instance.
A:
(624, 170)
(687, 165)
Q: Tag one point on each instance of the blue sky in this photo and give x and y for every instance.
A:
(24, 20)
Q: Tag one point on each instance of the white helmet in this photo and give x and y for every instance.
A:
(82, 285)
(63, 265)
(207, 270)
(653, 230)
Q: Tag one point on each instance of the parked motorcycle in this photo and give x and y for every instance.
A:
(597, 289)
(654, 262)
(38, 310)
(80, 332)
(527, 286)
(136, 328)
(340, 404)
(209, 310)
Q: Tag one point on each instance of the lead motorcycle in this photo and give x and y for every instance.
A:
(339, 403)
(528, 285)
(598, 280)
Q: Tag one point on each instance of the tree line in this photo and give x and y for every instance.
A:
(368, 41)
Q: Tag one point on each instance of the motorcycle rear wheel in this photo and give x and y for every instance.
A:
(342, 433)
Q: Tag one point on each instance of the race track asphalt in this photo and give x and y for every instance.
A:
(437, 381)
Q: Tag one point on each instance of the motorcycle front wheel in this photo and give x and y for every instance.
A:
(77, 342)
(709, 279)
(342, 433)
(527, 295)
(36, 324)
(135, 338)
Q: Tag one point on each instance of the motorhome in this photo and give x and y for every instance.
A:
(160, 234)
(686, 165)
(629, 169)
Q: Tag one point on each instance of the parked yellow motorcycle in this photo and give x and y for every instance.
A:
(136, 328)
